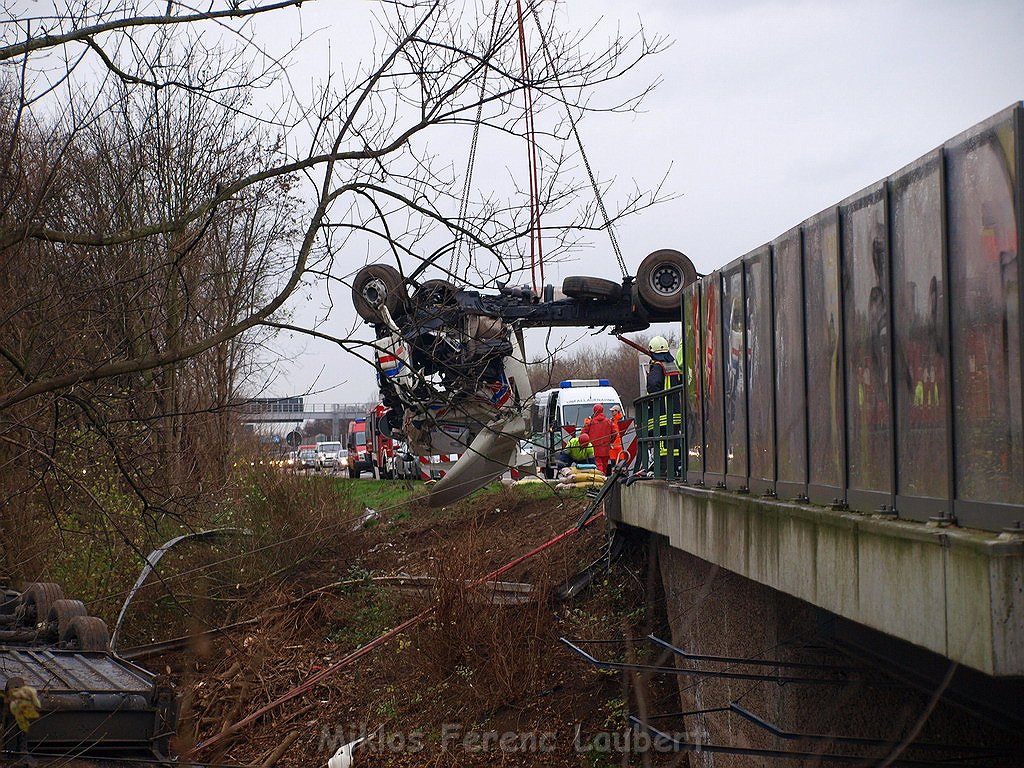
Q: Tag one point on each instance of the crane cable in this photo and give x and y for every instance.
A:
(583, 152)
(455, 258)
(536, 245)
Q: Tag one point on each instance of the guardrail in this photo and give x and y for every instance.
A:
(661, 433)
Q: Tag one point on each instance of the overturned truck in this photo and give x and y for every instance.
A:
(65, 692)
(451, 362)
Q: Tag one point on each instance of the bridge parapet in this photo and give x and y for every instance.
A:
(848, 428)
(871, 356)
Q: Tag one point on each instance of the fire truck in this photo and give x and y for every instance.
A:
(359, 458)
(380, 446)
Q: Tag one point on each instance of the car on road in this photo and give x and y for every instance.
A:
(307, 457)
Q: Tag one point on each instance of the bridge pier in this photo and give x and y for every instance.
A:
(752, 578)
(713, 611)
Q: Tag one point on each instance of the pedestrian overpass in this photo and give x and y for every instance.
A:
(284, 410)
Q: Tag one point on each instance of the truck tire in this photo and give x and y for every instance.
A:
(37, 599)
(86, 633)
(8, 601)
(580, 287)
(63, 611)
(661, 279)
(378, 283)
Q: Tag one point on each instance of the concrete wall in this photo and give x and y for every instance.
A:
(713, 611)
(955, 592)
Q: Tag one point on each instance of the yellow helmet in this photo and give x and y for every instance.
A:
(658, 344)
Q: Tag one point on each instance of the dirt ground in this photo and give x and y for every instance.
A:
(472, 684)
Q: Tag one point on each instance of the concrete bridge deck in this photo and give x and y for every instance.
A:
(957, 592)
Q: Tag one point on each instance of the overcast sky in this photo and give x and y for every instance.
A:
(767, 113)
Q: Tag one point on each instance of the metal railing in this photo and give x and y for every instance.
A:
(661, 434)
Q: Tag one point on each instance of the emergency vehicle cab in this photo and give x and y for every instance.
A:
(359, 460)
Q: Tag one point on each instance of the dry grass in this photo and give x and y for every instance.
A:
(498, 649)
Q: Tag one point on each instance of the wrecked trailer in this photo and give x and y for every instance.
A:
(449, 358)
(65, 692)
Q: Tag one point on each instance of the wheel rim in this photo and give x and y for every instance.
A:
(375, 292)
(666, 278)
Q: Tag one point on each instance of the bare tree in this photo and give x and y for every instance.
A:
(618, 363)
(158, 212)
(378, 183)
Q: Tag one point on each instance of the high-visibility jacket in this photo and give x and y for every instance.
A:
(600, 431)
(577, 453)
(616, 450)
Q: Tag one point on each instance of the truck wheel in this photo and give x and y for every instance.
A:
(591, 288)
(661, 279)
(375, 284)
(8, 601)
(37, 599)
(63, 611)
(86, 633)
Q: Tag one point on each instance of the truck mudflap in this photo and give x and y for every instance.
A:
(91, 703)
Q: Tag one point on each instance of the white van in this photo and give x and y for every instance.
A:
(328, 455)
(559, 413)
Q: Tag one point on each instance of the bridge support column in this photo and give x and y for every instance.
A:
(713, 611)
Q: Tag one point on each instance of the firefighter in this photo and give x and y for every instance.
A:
(616, 454)
(664, 374)
(578, 450)
(663, 367)
(600, 432)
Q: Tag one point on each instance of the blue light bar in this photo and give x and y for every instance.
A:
(570, 383)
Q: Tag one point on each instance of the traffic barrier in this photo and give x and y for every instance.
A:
(438, 461)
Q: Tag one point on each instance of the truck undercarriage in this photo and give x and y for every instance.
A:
(451, 361)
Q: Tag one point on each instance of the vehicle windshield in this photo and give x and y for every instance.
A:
(360, 438)
(330, 447)
(578, 412)
(307, 454)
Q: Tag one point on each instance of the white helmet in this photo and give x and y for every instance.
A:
(658, 344)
